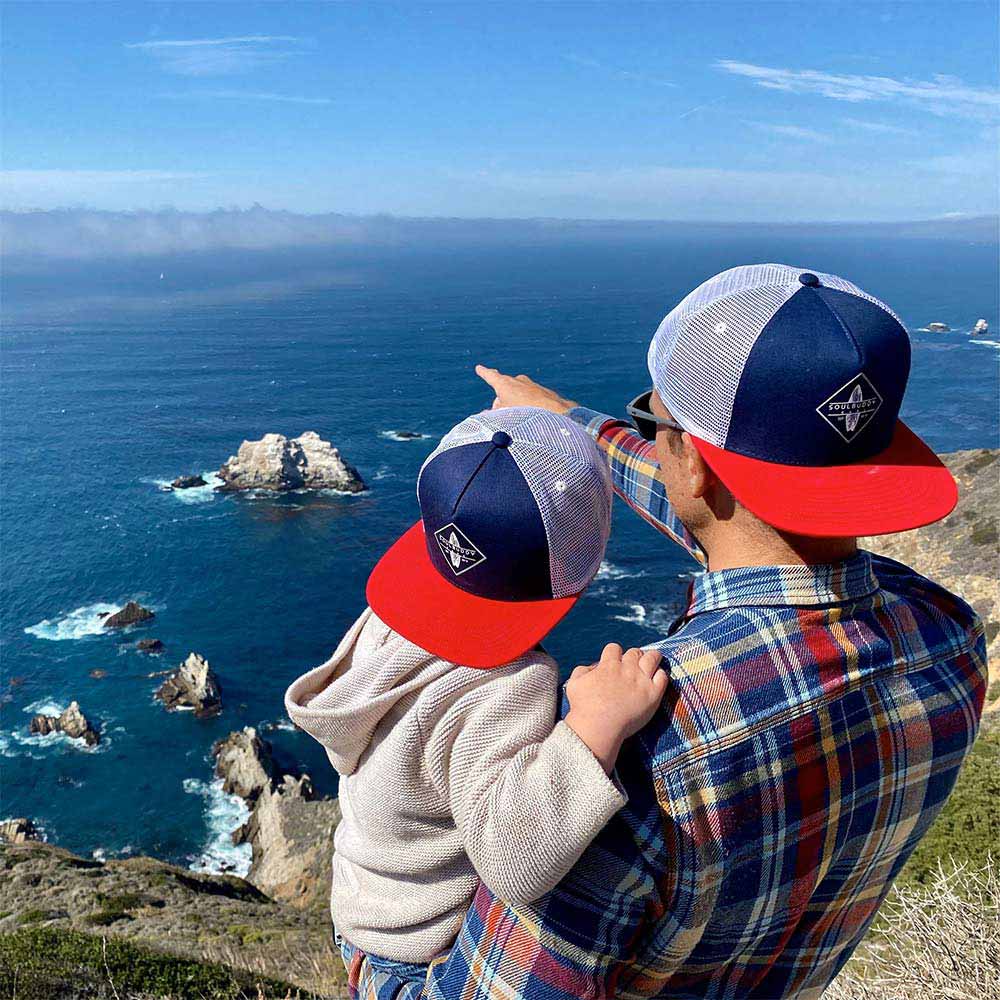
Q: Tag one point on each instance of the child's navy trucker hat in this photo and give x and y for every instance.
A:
(789, 382)
(515, 511)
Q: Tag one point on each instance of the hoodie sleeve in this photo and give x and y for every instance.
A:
(527, 798)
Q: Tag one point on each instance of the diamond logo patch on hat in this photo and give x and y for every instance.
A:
(849, 410)
(461, 553)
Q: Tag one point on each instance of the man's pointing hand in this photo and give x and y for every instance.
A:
(519, 390)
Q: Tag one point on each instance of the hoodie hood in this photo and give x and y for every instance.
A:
(344, 700)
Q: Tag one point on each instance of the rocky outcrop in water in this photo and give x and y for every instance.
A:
(131, 614)
(279, 463)
(18, 831)
(187, 482)
(938, 327)
(72, 722)
(962, 552)
(244, 762)
(981, 328)
(290, 832)
(192, 685)
(149, 646)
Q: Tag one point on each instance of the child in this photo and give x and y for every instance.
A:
(439, 708)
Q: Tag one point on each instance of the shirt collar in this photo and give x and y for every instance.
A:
(827, 583)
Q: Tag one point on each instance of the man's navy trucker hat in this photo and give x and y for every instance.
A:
(515, 509)
(789, 382)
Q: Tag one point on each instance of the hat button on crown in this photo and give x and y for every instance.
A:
(501, 439)
(808, 279)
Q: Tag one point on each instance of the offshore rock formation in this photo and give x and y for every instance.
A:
(277, 463)
(131, 614)
(18, 831)
(962, 552)
(290, 833)
(938, 327)
(187, 482)
(981, 328)
(72, 722)
(192, 685)
(149, 646)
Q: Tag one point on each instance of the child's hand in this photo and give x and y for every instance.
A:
(614, 698)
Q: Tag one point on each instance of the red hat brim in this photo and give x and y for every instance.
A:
(905, 486)
(408, 593)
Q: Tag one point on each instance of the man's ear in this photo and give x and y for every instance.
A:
(700, 476)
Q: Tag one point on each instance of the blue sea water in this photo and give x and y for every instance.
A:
(115, 380)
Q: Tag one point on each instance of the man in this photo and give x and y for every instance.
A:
(822, 699)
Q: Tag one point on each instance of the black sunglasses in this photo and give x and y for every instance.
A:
(645, 420)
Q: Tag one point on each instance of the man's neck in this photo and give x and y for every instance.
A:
(772, 548)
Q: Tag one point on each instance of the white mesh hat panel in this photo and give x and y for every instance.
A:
(568, 479)
(698, 353)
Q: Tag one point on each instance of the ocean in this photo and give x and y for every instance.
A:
(118, 375)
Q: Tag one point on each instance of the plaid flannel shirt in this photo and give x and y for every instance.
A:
(814, 725)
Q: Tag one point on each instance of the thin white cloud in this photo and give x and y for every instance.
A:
(879, 128)
(941, 95)
(246, 95)
(701, 107)
(173, 43)
(36, 188)
(621, 74)
(219, 56)
(793, 132)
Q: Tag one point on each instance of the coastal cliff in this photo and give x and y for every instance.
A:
(962, 552)
(74, 928)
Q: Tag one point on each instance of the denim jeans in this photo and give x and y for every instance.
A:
(371, 977)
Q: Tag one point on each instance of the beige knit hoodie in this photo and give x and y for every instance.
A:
(449, 774)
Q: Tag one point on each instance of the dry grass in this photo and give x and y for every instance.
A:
(939, 941)
(319, 973)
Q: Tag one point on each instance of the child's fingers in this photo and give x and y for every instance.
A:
(611, 652)
(632, 657)
(649, 662)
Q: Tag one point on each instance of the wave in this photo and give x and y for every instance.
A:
(986, 343)
(78, 624)
(34, 746)
(282, 725)
(397, 435)
(45, 706)
(608, 571)
(384, 472)
(637, 617)
(223, 814)
(194, 494)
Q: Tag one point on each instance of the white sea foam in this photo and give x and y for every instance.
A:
(77, 624)
(21, 743)
(284, 725)
(986, 343)
(45, 706)
(608, 571)
(223, 814)
(194, 494)
(637, 616)
(384, 472)
(397, 435)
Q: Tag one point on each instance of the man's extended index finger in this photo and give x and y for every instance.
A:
(493, 378)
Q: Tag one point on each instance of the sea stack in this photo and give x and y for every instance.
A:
(131, 614)
(18, 831)
(279, 463)
(72, 722)
(981, 328)
(193, 685)
(939, 328)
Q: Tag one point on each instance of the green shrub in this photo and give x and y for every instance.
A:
(59, 964)
(104, 918)
(969, 824)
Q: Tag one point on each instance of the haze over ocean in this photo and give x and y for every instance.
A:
(115, 380)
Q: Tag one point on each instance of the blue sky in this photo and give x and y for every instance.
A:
(728, 111)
